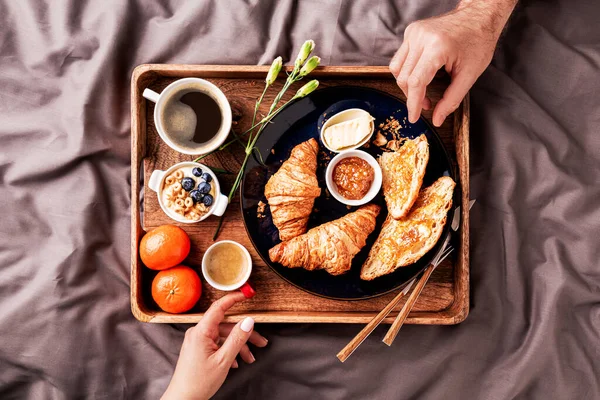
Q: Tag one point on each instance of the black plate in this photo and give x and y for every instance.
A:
(299, 122)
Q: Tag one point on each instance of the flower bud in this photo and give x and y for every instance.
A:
(274, 71)
(305, 51)
(311, 64)
(307, 89)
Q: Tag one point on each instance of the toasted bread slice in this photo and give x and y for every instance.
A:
(403, 241)
(403, 171)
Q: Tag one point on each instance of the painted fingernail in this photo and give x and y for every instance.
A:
(247, 324)
(252, 359)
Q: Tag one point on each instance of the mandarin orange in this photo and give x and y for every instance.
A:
(164, 247)
(176, 290)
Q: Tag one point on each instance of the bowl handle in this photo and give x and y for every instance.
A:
(155, 179)
(221, 206)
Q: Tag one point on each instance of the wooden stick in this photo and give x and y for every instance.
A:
(401, 317)
(370, 327)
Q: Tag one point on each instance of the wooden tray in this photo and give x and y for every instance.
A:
(445, 299)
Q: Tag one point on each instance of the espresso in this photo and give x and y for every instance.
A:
(226, 264)
(191, 117)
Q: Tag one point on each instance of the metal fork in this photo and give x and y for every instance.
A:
(399, 321)
(446, 250)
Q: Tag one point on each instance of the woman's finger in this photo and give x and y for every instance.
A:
(255, 338)
(237, 338)
(247, 355)
(258, 340)
(419, 79)
(209, 324)
(398, 59)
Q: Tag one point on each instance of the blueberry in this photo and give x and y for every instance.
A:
(204, 187)
(197, 171)
(196, 196)
(207, 200)
(206, 176)
(188, 184)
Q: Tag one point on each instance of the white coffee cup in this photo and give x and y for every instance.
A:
(156, 183)
(217, 95)
(242, 283)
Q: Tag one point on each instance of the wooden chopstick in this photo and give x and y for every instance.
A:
(370, 327)
(401, 317)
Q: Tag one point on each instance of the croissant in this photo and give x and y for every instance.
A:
(330, 246)
(292, 190)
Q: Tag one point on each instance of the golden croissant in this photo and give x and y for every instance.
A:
(330, 246)
(292, 190)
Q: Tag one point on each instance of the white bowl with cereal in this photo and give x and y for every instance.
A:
(188, 192)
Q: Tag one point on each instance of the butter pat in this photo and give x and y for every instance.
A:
(349, 133)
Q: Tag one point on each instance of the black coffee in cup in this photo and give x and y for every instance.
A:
(191, 116)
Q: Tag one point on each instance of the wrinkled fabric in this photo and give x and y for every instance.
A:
(66, 330)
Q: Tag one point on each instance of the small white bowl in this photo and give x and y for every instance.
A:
(342, 116)
(375, 186)
(156, 183)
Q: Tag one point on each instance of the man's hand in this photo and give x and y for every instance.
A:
(209, 350)
(462, 41)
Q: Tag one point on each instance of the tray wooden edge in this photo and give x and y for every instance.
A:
(251, 71)
(459, 310)
(445, 317)
(454, 314)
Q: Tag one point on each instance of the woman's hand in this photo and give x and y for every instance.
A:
(462, 41)
(209, 350)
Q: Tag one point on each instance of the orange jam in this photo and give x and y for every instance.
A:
(353, 177)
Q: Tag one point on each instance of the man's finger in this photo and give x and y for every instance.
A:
(398, 59)
(411, 61)
(209, 324)
(453, 95)
(419, 79)
(427, 103)
(235, 341)
(255, 338)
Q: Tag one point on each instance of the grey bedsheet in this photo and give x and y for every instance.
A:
(66, 330)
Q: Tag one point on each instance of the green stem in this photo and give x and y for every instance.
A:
(289, 81)
(258, 102)
(232, 192)
(222, 147)
(237, 138)
(218, 227)
(292, 78)
(220, 170)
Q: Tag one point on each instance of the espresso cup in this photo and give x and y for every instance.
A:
(198, 85)
(242, 282)
(157, 184)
